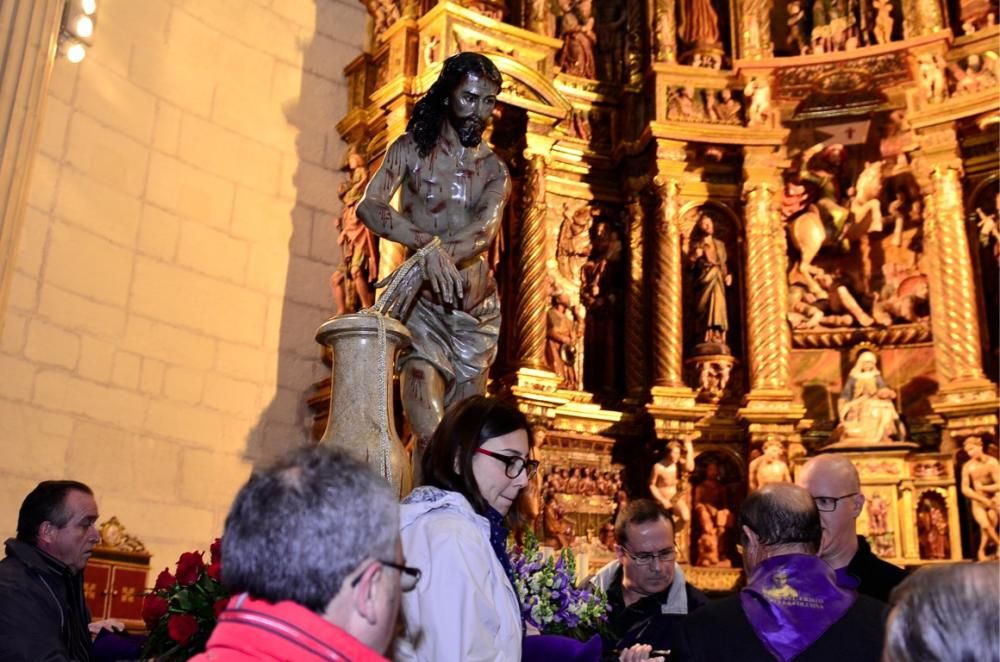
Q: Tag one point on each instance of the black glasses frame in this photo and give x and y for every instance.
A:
(531, 466)
(836, 501)
(403, 570)
(647, 558)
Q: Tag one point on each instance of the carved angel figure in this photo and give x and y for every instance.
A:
(933, 84)
(759, 92)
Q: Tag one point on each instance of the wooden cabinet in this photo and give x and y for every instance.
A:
(117, 577)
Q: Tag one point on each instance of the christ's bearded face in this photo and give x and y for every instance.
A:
(471, 104)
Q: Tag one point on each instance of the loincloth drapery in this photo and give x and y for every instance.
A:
(461, 345)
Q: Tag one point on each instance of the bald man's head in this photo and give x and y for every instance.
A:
(779, 518)
(833, 482)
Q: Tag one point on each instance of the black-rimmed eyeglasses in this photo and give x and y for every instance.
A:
(515, 463)
(829, 504)
(647, 558)
(408, 577)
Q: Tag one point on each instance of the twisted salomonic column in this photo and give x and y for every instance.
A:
(28, 30)
(635, 336)
(770, 340)
(953, 310)
(666, 328)
(529, 315)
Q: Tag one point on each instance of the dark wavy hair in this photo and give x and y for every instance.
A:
(432, 110)
(447, 463)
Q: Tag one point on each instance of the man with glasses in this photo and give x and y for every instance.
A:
(645, 587)
(312, 556)
(833, 482)
(792, 606)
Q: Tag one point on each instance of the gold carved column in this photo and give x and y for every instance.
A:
(769, 409)
(529, 315)
(28, 31)
(967, 401)
(664, 31)
(668, 341)
(673, 406)
(922, 17)
(635, 327)
(755, 29)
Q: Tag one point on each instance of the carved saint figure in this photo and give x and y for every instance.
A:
(726, 109)
(574, 245)
(714, 517)
(769, 467)
(384, 14)
(579, 39)
(707, 262)
(883, 21)
(668, 485)
(878, 515)
(359, 264)
(932, 78)
(557, 526)
(797, 41)
(981, 486)
(699, 24)
(866, 408)
(561, 338)
(932, 528)
(989, 229)
(758, 91)
(976, 75)
(452, 191)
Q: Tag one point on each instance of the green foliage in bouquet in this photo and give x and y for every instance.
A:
(549, 599)
(182, 608)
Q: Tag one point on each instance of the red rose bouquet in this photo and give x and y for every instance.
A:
(181, 609)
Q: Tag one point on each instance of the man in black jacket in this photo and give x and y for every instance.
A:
(792, 606)
(43, 615)
(645, 587)
(835, 486)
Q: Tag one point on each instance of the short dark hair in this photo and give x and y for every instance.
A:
(298, 528)
(46, 503)
(464, 428)
(430, 111)
(935, 612)
(640, 511)
(778, 519)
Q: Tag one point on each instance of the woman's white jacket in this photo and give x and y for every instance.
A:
(463, 608)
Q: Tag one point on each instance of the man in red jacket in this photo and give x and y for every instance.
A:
(312, 556)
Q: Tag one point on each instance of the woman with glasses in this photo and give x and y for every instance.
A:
(454, 528)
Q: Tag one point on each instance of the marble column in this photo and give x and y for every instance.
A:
(28, 34)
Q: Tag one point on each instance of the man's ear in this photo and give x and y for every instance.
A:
(857, 504)
(364, 595)
(46, 530)
(619, 552)
(751, 536)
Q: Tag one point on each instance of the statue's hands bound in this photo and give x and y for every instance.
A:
(440, 271)
(402, 286)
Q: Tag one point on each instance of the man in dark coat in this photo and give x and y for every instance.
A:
(792, 606)
(833, 482)
(645, 587)
(43, 615)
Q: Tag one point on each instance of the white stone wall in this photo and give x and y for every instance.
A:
(175, 258)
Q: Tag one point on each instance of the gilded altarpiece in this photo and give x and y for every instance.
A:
(750, 239)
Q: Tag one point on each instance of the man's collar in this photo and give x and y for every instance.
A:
(35, 558)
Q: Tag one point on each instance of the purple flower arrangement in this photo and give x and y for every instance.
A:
(549, 599)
